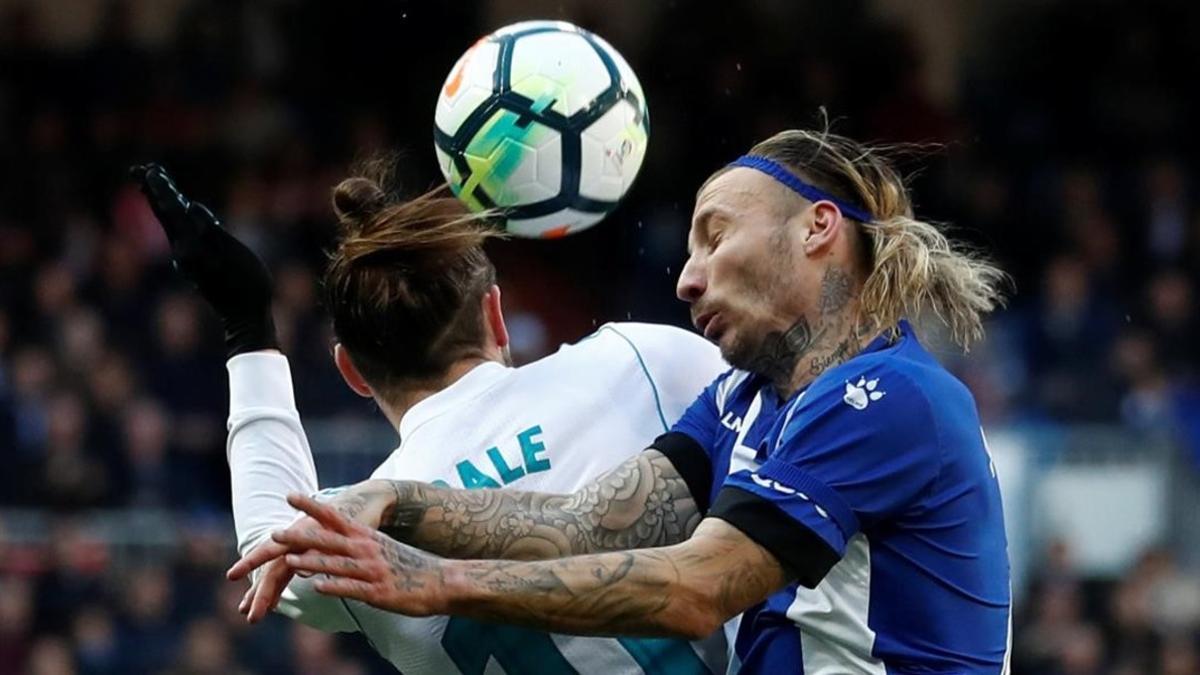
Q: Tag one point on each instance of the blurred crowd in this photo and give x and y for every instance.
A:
(1144, 622)
(1071, 161)
(72, 611)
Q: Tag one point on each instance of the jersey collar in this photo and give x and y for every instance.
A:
(474, 383)
(882, 341)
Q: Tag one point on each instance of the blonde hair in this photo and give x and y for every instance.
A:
(911, 265)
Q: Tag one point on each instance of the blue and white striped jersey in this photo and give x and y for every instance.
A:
(874, 486)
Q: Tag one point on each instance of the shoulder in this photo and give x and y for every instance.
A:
(879, 393)
(667, 352)
(676, 358)
(875, 373)
(634, 338)
(868, 421)
(659, 339)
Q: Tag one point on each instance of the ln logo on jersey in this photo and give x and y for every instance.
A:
(732, 422)
(860, 395)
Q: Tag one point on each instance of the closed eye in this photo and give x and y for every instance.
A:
(714, 239)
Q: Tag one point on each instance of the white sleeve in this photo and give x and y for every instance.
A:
(680, 363)
(269, 458)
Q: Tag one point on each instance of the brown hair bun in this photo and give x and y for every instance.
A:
(356, 201)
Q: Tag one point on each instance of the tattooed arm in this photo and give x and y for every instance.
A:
(687, 589)
(643, 502)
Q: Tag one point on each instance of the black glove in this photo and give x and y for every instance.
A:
(233, 280)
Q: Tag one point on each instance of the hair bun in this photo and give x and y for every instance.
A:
(356, 200)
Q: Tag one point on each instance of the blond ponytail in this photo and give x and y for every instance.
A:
(915, 267)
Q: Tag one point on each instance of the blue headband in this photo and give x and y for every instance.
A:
(810, 192)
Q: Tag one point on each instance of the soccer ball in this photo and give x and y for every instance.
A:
(544, 122)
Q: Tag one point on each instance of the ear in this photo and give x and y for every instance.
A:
(493, 316)
(825, 227)
(353, 378)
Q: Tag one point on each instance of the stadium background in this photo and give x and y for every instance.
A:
(1068, 138)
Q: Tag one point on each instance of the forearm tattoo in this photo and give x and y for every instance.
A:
(667, 591)
(642, 503)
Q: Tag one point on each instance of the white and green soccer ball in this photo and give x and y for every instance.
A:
(544, 122)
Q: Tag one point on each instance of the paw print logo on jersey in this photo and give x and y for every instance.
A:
(861, 394)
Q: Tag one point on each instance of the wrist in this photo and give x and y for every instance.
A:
(244, 334)
(394, 496)
(375, 497)
(458, 592)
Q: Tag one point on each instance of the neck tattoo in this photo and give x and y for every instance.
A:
(781, 351)
(834, 340)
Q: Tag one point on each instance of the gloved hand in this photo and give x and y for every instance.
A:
(228, 275)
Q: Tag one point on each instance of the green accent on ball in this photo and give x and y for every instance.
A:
(545, 90)
(539, 106)
(494, 154)
(455, 180)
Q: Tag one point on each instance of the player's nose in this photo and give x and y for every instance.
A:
(692, 280)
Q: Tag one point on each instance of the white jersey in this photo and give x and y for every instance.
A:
(550, 426)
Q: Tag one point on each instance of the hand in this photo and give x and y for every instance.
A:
(233, 280)
(266, 591)
(361, 563)
(363, 504)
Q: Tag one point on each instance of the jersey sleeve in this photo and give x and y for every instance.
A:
(269, 458)
(846, 456)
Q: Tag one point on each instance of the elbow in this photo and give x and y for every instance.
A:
(700, 623)
(704, 624)
(697, 617)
